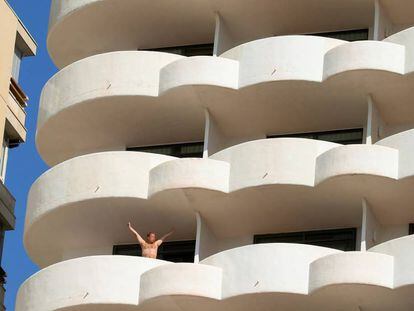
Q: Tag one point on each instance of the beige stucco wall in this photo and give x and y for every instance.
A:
(11, 110)
(8, 27)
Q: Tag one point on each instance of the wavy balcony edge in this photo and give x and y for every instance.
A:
(204, 21)
(219, 281)
(136, 85)
(168, 188)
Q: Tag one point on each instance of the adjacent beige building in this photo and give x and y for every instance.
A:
(276, 136)
(15, 44)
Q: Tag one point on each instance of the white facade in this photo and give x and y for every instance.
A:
(275, 71)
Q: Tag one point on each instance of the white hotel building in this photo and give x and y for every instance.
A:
(276, 136)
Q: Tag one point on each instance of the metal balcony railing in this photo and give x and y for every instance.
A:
(7, 198)
(18, 93)
(7, 205)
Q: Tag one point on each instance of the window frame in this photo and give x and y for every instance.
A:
(335, 34)
(304, 236)
(186, 50)
(175, 148)
(320, 133)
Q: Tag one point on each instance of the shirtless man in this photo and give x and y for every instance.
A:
(151, 245)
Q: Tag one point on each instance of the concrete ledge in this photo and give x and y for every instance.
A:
(90, 282)
(79, 28)
(320, 182)
(303, 277)
(268, 80)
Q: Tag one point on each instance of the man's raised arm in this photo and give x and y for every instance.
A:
(160, 241)
(139, 238)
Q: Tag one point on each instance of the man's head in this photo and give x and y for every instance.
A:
(151, 237)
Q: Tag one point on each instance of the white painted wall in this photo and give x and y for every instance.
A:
(371, 228)
(383, 26)
(375, 125)
(206, 241)
(389, 233)
(223, 40)
(209, 244)
(214, 139)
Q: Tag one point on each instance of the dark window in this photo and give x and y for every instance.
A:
(183, 251)
(341, 239)
(188, 150)
(344, 137)
(411, 229)
(189, 50)
(347, 35)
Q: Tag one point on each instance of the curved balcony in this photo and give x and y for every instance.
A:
(254, 277)
(282, 180)
(376, 161)
(271, 84)
(285, 276)
(80, 29)
(111, 101)
(87, 203)
(401, 249)
(402, 142)
(182, 279)
(89, 283)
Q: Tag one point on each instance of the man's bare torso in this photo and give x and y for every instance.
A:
(150, 246)
(150, 250)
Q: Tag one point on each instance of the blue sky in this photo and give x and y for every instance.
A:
(24, 164)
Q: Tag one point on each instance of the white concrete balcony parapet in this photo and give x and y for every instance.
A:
(365, 56)
(277, 258)
(79, 200)
(80, 28)
(88, 283)
(402, 142)
(401, 249)
(189, 174)
(254, 277)
(404, 38)
(121, 87)
(87, 201)
(186, 279)
(375, 161)
(276, 85)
